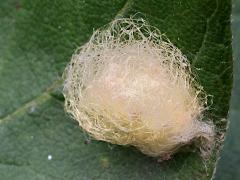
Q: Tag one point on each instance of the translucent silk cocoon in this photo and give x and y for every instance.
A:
(129, 85)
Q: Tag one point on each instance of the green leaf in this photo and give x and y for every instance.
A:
(37, 39)
(228, 165)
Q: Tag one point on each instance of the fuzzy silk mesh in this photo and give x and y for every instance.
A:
(129, 85)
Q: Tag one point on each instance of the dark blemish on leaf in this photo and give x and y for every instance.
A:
(87, 141)
(17, 5)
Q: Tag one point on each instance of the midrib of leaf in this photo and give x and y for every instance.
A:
(46, 95)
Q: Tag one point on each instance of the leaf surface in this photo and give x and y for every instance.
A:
(37, 39)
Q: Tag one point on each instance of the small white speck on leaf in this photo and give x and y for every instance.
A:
(49, 157)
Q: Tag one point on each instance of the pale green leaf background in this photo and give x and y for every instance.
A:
(37, 38)
(228, 166)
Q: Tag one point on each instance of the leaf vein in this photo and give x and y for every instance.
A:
(204, 40)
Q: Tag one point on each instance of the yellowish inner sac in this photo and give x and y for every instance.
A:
(140, 102)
